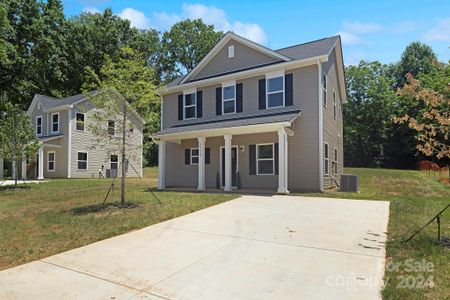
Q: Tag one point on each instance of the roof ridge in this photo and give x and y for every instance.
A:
(314, 41)
(49, 97)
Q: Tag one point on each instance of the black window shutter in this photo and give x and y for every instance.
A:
(276, 158)
(239, 96)
(252, 159)
(262, 94)
(180, 107)
(207, 156)
(187, 156)
(289, 90)
(218, 101)
(199, 104)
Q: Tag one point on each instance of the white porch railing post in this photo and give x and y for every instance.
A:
(201, 164)
(162, 165)
(41, 163)
(227, 186)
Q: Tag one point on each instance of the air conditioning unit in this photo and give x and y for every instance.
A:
(349, 183)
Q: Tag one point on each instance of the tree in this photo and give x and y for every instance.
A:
(367, 114)
(432, 123)
(184, 46)
(127, 80)
(17, 139)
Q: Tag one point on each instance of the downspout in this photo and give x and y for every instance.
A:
(319, 68)
(69, 142)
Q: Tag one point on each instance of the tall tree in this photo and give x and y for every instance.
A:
(184, 46)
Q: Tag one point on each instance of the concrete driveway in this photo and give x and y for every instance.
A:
(254, 247)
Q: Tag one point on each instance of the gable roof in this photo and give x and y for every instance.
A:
(310, 49)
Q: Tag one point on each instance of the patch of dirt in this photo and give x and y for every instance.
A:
(107, 207)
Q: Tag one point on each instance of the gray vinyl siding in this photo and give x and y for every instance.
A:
(244, 57)
(60, 153)
(99, 153)
(332, 128)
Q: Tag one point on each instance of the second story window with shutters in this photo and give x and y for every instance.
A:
(190, 106)
(275, 92)
(229, 100)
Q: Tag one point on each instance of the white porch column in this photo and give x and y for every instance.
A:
(1, 167)
(227, 187)
(162, 165)
(24, 168)
(41, 163)
(201, 164)
(282, 162)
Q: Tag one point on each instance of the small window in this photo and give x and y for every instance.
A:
(190, 106)
(340, 107)
(194, 156)
(80, 121)
(326, 159)
(55, 123)
(229, 99)
(275, 92)
(231, 51)
(335, 170)
(51, 161)
(265, 159)
(82, 161)
(324, 89)
(114, 162)
(334, 105)
(39, 125)
(111, 127)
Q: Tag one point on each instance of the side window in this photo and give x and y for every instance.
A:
(82, 161)
(324, 89)
(111, 127)
(51, 161)
(335, 170)
(55, 122)
(80, 119)
(326, 159)
(39, 125)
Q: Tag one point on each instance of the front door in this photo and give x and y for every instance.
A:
(234, 164)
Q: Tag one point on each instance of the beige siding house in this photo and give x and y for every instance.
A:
(68, 147)
(254, 118)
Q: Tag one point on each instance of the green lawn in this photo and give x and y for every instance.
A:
(59, 215)
(415, 197)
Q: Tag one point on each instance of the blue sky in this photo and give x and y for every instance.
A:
(370, 30)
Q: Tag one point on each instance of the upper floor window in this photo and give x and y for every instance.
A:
(229, 99)
(55, 122)
(334, 105)
(39, 125)
(80, 121)
(275, 92)
(111, 127)
(324, 89)
(190, 106)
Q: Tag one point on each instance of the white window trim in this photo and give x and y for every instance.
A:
(224, 85)
(190, 156)
(51, 122)
(258, 159)
(334, 104)
(336, 158)
(324, 89)
(192, 105)
(271, 76)
(117, 162)
(48, 161)
(87, 161)
(231, 51)
(326, 158)
(84, 121)
(42, 125)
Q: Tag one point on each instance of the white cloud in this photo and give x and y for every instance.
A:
(92, 10)
(353, 58)
(349, 38)
(136, 17)
(163, 21)
(441, 32)
(361, 28)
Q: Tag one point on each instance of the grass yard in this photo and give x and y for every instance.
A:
(415, 197)
(59, 215)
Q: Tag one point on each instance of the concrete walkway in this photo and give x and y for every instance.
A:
(12, 182)
(254, 247)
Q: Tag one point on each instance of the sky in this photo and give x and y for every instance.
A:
(370, 30)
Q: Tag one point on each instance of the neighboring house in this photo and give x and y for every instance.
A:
(250, 117)
(69, 149)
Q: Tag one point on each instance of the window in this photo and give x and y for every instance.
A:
(39, 125)
(194, 156)
(82, 162)
(190, 106)
(324, 89)
(114, 162)
(51, 161)
(80, 121)
(275, 92)
(326, 160)
(265, 164)
(335, 169)
(231, 51)
(55, 123)
(111, 127)
(229, 99)
(334, 105)
(340, 107)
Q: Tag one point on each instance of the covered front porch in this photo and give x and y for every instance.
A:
(247, 158)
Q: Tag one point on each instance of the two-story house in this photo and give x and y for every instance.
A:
(250, 117)
(69, 149)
